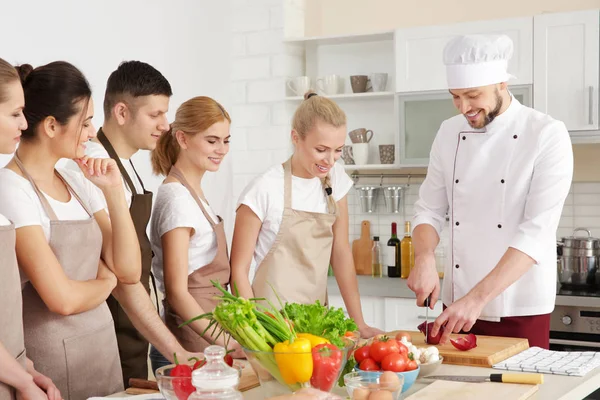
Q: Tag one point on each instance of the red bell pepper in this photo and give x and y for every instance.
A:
(465, 343)
(183, 387)
(327, 364)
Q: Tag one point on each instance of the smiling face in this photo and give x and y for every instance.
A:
(319, 149)
(206, 150)
(146, 121)
(481, 105)
(69, 140)
(12, 120)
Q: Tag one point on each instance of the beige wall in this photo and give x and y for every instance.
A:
(341, 17)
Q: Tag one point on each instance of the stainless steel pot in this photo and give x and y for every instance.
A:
(578, 259)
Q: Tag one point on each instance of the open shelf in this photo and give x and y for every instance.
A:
(350, 96)
(343, 39)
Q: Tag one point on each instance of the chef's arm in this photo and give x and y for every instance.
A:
(550, 184)
(343, 267)
(61, 294)
(139, 308)
(175, 247)
(245, 236)
(120, 246)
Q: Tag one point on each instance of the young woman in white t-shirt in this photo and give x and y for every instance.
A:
(17, 375)
(187, 237)
(67, 276)
(293, 219)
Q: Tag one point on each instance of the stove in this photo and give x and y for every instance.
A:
(575, 321)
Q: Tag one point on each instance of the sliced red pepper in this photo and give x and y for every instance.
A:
(183, 387)
(465, 343)
(327, 363)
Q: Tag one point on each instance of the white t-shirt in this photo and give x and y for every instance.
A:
(20, 204)
(176, 208)
(96, 150)
(265, 196)
(4, 221)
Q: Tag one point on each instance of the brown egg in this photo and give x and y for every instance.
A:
(381, 395)
(360, 394)
(390, 381)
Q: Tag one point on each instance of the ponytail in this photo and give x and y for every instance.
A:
(165, 154)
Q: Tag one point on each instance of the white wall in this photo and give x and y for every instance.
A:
(189, 41)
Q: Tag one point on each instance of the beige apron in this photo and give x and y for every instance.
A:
(78, 352)
(199, 284)
(11, 314)
(297, 264)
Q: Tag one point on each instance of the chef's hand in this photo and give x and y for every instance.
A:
(102, 172)
(237, 350)
(460, 316)
(424, 280)
(368, 332)
(43, 382)
(31, 392)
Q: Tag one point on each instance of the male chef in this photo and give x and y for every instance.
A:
(501, 171)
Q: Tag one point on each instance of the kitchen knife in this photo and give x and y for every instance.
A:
(530, 379)
(426, 304)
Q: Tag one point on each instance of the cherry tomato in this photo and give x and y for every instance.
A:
(368, 365)
(394, 362)
(362, 353)
(412, 365)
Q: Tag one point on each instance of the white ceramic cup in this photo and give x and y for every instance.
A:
(360, 151)
(329, 84)
(299, 85)
(379, 82)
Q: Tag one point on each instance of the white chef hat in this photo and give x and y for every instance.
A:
(477, 60)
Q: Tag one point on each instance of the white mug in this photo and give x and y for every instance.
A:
(379, 82)
(299, 85)
(360, 151)
(329, 84)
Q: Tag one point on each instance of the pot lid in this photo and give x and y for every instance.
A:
(586, 242)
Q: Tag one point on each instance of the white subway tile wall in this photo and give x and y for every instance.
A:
(581, 209)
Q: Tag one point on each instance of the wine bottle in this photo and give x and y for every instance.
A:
(392, 254)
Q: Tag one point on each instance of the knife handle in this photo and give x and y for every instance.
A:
(427, 301)
(529, 379)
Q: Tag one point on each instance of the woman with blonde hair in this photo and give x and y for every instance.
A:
(187, 237)
(293, 219)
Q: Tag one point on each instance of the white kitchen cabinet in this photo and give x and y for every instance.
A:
(566, 67)
(372, 308)
(419, 52)
(405, 315)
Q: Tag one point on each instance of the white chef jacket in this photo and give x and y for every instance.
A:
(502, 186)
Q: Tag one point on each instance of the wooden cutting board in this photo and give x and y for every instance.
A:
(449, 390)
(489, 351)
(361, 250)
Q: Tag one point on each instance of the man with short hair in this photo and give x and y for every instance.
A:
(502, 172)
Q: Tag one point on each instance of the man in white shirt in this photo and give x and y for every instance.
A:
(502, 172)
(135, 107)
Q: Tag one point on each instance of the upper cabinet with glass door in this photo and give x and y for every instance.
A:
(419, 52)
(566, 72)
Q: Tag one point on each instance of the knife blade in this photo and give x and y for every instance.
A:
(426, 304)
(529, 379)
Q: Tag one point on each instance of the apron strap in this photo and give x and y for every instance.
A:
(113, 154)
(45, 204)
(138, 177)
(287, 188)
(176, 173)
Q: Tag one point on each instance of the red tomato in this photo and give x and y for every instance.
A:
(411, 366)
(379, 350)
(362, 353)
(394, 362)
(368, 365)
(402, 349)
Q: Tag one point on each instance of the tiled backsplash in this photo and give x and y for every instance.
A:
(582, 209)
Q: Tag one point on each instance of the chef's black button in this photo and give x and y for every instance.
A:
(514, 137)
(456, 266)
(456, 181)
(464, 138)
(499, 226)
(457, 223)
(502, 181)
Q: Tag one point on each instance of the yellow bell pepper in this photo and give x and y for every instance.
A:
(294, 360)
(314, 340)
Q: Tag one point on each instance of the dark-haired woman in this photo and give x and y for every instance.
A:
(69, 252)
(17, 376)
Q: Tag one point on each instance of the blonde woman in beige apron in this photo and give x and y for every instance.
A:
(17, 376)
(293, 219)
(187, 238)
(67, 249)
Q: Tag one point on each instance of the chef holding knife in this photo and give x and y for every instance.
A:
(501, 171)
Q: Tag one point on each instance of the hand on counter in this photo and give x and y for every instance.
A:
(424, 280)
(460, 316)
(367, 332)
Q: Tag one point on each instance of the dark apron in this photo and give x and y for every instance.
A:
(133, 347)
